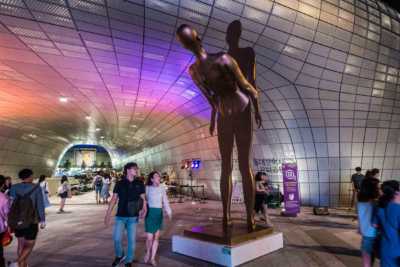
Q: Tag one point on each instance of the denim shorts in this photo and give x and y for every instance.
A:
(367, 244)
(98, 189)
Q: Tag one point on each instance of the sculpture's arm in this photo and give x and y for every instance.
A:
(210, 98)
(245, 86)
(252, 75)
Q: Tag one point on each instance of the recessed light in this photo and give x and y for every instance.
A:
(98, 129)
(88, 117)
(63, 99)
(102, 137)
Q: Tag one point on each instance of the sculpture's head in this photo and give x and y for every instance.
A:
(189, 38)
(233, 33)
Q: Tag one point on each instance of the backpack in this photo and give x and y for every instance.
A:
(98, 182)
(23, 212)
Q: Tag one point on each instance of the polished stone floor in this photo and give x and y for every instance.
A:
(79, 238)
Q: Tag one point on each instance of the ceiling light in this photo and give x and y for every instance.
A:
(32, 135)
(88, 117)
(98, 129)
(133, 126)
(102, 137)
(63, 99)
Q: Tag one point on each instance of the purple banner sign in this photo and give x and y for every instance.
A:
(291, 189)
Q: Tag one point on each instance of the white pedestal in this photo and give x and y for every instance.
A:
(225, 255)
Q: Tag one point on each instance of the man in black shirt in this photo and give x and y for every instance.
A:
(129, 193)
(356, 180)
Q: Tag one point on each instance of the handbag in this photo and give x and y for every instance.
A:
(134, 207)
(7, 238)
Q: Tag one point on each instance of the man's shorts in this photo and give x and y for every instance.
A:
(29, 233)
(98, 189)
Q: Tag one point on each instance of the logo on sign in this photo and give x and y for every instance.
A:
(290, 174)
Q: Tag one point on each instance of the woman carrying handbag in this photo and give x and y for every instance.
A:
(64, 192)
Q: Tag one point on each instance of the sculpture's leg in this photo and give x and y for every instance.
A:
(244, 135)
(225, 142)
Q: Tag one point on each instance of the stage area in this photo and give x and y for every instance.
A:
(79, 239)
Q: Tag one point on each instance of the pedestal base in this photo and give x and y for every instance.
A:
(230, 236)
(227, 255)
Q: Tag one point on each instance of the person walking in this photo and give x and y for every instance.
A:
(387, 220)
(129, 193)
(356, 180)
(4, 209)
(366, 207)
(262, 191)
(64, 192)
(45, 189)
(97, 186)
(105, 189)
(27, 213)
(157, 200)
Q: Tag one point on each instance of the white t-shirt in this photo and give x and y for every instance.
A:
(157, 198)
(106, 180)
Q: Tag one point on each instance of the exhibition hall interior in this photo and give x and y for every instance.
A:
(199, 133)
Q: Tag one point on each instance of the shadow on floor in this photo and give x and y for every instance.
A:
(332, 249)
(321, 223)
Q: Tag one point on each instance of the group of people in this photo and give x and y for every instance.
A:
(134, 198)
(135, 201)
(101, 185)
(378, 210)
(22, 210)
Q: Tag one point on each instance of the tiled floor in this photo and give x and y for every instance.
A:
(80, 239)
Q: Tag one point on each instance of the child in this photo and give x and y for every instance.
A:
(366, 206)
(157, 199)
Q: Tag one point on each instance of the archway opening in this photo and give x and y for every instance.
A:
(84, 159)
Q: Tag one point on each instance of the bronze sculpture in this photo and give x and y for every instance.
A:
(229, 94)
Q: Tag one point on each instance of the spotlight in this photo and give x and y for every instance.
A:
(32, 135)
(63, 99)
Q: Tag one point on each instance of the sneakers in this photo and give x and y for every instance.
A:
(117, 261)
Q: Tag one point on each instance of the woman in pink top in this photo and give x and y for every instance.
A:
(4, 209)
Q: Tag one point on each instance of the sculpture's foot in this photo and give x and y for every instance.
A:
(227, 222)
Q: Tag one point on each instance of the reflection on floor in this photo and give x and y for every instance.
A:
(79, 238)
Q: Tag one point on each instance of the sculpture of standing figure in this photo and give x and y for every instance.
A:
(229, 94)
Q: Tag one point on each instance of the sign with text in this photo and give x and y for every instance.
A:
(291, 189)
